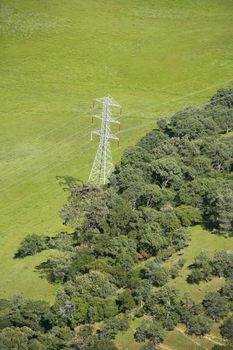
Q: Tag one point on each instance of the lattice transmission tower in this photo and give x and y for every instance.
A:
(103, 165)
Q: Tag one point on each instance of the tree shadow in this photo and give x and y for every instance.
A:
(68, 182)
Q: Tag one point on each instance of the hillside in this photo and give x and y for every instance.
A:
(133, 265)
(56, 56)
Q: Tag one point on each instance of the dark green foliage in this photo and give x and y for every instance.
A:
(222, 347)
(87, 206)
(56, 268)
(19, 338)
(223, 97)
(204, 267)
(87, 340)
(112, 326)
(95, 283)
(59, 338)
(62, 241)
(150, 330)
(105, 344)
(188, 215)
(148, 346)
(199, 325)
(223, 264)
(31, 245)
(155, 273)
(201, 269)
(153, 139)
(34, 314)
(119, 216)
(164, 306)
(227, 329)
(166, 172)
(227, 291)
(141, 291)
(224, 211)
(126, 301)
(192, 123)
(219, 152)
(216, 305)
(189, 308)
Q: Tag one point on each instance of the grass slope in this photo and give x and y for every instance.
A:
(153, 56)
(177, 339)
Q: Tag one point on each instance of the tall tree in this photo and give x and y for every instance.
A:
(225, 211)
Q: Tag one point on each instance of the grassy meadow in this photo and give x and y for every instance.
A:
(153, 57)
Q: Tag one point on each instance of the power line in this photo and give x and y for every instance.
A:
(43, 170)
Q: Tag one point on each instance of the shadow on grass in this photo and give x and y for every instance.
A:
(68, 182)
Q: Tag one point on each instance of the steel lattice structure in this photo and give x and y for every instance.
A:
(103, 165)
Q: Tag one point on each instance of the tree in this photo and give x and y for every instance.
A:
(58, 338)
(188, 215)
(219, 151)
(224, 210)
(153, 139)
(31, 245)
(150, 330)
(222, 115)
(222, 347)
(112, 326)
(163, 306)
(18, 338)
(105, 344)
(227, 291)
(95, 283)
(216, 305)
(141, 292)
(226, 329)
(62, 241)
(87, 207)
(196, 276)
(199, 325)
(222, 263)
(201, 268)
(119, 215)
(192, 123)
(166, 172)
(223, 97)
(36, 315)
(56, 268)
(168, 219)
(126, 301)
(155, 273)
(189, 308)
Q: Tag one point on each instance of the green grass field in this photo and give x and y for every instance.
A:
(56, 56)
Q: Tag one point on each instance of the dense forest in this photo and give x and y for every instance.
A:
(111, 261)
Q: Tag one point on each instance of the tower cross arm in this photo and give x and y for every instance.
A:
(102, 134)
(108, 119)
(112, 137)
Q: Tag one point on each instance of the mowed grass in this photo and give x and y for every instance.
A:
(154, 57)
(202, 240)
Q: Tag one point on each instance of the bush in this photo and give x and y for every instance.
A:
(31, 245)
(188, 215)
(227, 329)
(199, 325)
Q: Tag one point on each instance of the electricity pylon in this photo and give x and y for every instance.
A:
(103, 166)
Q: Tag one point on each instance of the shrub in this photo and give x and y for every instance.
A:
(31, 245)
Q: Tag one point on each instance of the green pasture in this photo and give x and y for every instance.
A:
(154, 57)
